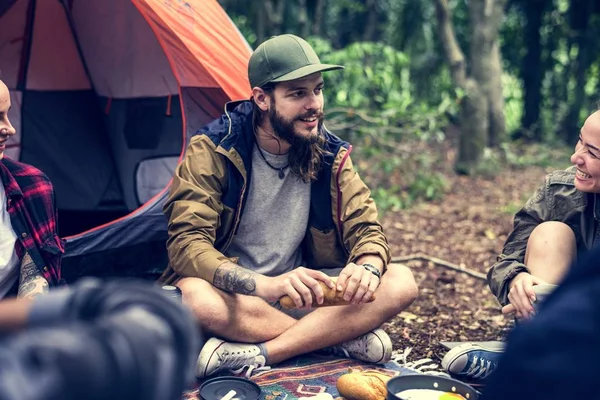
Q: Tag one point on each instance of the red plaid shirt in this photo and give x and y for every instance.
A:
(32, 209)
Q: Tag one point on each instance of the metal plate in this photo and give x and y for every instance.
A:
(217, 388)
(420, 381)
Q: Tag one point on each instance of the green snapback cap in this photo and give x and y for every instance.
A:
(284, 58)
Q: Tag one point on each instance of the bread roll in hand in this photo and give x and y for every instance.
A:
(332, 297)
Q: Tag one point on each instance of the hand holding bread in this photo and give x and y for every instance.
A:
(332, 297)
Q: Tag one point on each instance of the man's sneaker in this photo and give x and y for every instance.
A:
(218, 355)
(374, 346)
(471, 361)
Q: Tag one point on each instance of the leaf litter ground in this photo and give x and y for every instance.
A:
(467, 228)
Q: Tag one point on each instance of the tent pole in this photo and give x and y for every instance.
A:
(26, 51)
(67, 8)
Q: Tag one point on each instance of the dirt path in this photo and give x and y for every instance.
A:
(467, 228)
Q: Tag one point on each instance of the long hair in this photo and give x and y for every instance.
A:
(305, 158)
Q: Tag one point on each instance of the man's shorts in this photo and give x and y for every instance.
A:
(296, 313)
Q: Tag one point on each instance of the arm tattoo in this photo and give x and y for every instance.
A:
(31, 281)
(235, 279)
(33, 288)
(28, 269)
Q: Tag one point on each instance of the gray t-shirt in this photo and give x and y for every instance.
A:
(274, 220)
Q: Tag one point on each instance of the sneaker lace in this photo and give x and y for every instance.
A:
(424, 365)
(356, 346)
(480, 368)
(251, 369)
(237, 361)
(359, 345)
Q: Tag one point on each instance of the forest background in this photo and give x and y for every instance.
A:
(456, 110)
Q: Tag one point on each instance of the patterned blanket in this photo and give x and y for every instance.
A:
(310, 375)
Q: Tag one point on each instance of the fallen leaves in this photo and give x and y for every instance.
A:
(467, 228)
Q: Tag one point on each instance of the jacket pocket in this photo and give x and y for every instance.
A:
(323, 250)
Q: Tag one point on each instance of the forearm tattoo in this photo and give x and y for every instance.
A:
(31, 282)
(235, 279)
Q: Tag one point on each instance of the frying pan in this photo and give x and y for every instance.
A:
(420, 381)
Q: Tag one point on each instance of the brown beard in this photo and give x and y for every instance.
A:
(306, 153)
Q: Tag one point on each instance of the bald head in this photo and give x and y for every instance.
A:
(4, 92)
(6, 129)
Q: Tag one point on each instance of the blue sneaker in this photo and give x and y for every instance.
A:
(472, 361)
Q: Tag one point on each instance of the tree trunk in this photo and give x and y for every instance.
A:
(483, 87)
(274, 10)
(474, 122)
(532, 68)
(371, 24)
(260, 26)
(303, 19)
(580, 18)
(454, 55)
(486, 68)
(318, 18)
(497, 129)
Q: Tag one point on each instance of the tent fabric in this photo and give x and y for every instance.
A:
(54, 52)
(137, 67)
(79, 166)
(12, 19)
(178, 25)
(105, 95)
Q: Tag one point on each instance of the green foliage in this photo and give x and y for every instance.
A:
(243, 24)
(395, 98)
(371, 103)
(376, 76)
(513, 101)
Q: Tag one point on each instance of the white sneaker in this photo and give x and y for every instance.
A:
(218, 355)
(374, 346)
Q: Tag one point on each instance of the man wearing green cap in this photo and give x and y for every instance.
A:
(266, 204)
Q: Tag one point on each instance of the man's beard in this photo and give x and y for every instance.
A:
(306, 151)
(284, 128)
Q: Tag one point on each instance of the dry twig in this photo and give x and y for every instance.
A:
(440, 262)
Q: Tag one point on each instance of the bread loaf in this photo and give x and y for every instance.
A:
(363, 385)
(332, 297)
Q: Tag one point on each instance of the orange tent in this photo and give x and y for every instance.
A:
(105, 95)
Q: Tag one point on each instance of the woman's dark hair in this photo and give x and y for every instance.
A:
(306, 158)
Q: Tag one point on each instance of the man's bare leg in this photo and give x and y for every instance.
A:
(251, 320)
(234, 317)
(551, 249)
(329, 326)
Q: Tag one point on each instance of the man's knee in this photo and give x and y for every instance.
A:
(402, 289)
(204, 301)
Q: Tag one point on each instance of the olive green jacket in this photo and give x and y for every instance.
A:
(208, 192)
(556, 200)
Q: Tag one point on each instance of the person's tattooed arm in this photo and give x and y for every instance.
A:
(31, 281)
(233, 278)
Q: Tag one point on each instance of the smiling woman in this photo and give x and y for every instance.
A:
(554, 228)
(587, 156)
